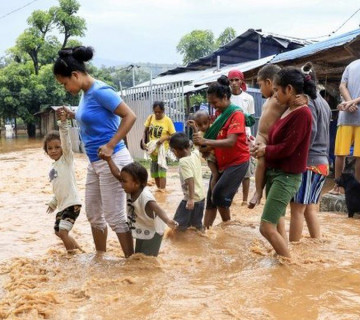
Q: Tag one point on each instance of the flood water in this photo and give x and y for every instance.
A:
(228, 273)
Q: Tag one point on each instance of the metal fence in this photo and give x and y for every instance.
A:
(141, 99)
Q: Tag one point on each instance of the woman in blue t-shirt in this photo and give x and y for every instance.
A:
(104, 120)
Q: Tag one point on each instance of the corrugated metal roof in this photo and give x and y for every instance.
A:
(201, 77)
(187, 76)
(211, 76)
(243, 48)
(313, 48)
(284, 39)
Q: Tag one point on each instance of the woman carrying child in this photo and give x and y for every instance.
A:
(227, 137)
(285, 154)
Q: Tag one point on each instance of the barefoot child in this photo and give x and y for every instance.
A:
(62, 177)
(201, 122)
(191, 209)
(145, 218)
(271, 112)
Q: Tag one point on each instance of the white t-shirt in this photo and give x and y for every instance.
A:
(246, 102)
(62, 175)
(141, 225)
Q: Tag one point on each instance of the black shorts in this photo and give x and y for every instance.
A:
(65, 219)
(226, 186)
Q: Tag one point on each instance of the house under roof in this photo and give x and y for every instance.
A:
(329, 57)
(249, 46)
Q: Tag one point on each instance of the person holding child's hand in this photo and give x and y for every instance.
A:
(104, 119)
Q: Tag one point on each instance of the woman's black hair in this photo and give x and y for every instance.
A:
(221, 88)
(137, 172)
(179, 141)
(72, 59)
(300, 82)
(159, 104)
(52, 135)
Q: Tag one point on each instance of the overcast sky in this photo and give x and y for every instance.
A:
(149, 30)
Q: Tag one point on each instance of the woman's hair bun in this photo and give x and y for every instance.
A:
(83, 53)
(223, 80)
(80, 53)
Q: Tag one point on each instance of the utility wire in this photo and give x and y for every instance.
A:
(331, 33)
(18, 9)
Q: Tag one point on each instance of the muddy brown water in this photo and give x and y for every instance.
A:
(228, 273)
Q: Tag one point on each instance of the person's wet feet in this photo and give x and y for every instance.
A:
(255, 200)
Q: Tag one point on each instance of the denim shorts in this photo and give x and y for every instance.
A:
(189, 218)
(280, 188)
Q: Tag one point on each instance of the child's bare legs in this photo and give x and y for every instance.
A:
(69, 242)
(214, 174)
(210, 215)
(275, 235)
(259, 175)
(259, 182)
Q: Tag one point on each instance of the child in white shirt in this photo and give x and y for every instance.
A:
(62, 177)
(147, 221)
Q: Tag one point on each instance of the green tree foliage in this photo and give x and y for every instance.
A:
(66, 21)
(200, 43)
(26, 79)
(226, 36)
(20, 92)
(196, 44)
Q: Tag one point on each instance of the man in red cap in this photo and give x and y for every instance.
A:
(245, 101)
